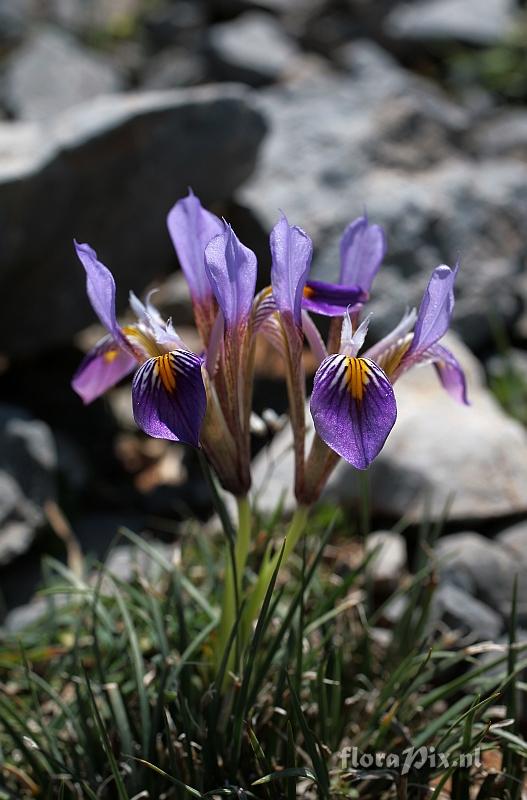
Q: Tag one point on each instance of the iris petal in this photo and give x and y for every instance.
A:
(168, 397)
(435, 311)
(362, 248)
(331, 299)
(101, 368)
(100, 286)
(191, 228)
(291, 250)
(450, 373)
(353, 408)
(231, 269)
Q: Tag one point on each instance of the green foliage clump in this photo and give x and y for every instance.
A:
(116, 691)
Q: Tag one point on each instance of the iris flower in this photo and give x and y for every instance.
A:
(204, 399)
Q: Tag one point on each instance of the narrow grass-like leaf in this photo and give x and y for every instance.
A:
(138, 666)
(169, 778)
(118, 780)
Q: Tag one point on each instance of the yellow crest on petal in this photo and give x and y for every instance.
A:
(357, 376)
(164, 368)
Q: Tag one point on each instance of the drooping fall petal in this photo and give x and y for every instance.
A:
(353, 408)
(450, 373)
(101, 368)
(168, 397)
(362, 249)
(331, 299)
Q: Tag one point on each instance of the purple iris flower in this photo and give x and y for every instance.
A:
(353, 405)
(168, 394)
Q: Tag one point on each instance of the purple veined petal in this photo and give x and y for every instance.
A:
(450, 373)
(168, 397)
(231, 269)
(331, 299)
(104, 366)
(291, 251)
(353, 408)
(191, 227)
(362, 249)
(435, 311)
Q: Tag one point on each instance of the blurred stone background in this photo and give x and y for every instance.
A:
(109, 109)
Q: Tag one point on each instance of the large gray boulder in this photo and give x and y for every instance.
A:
(107, 173)
(485, 569)
(252, 48)
(51, 72)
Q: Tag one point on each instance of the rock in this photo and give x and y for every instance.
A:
(126, 561)
(251, 48)
(438, 450)
(484, 569)
(459, 611)
(431, 21)
(514, 539)
(110, 17)
(172, 68)
(13, 21)
(28, 463)
(337, 147)
(113, 168)
(26, 615)
(388, 564)
(52, 72)
(503, 134)
(175, 22)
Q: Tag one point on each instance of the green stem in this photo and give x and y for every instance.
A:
(236, 560)
(243, 539)
(294, 532)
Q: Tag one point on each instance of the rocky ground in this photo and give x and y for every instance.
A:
(416, 111)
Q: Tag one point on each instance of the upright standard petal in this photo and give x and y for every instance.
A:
(331, 299)
(231, 269)
(191, 227)
(353, 408)
(291, 251)
(168, 397)
(101, 368)
(362, 249)
(435, 311)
